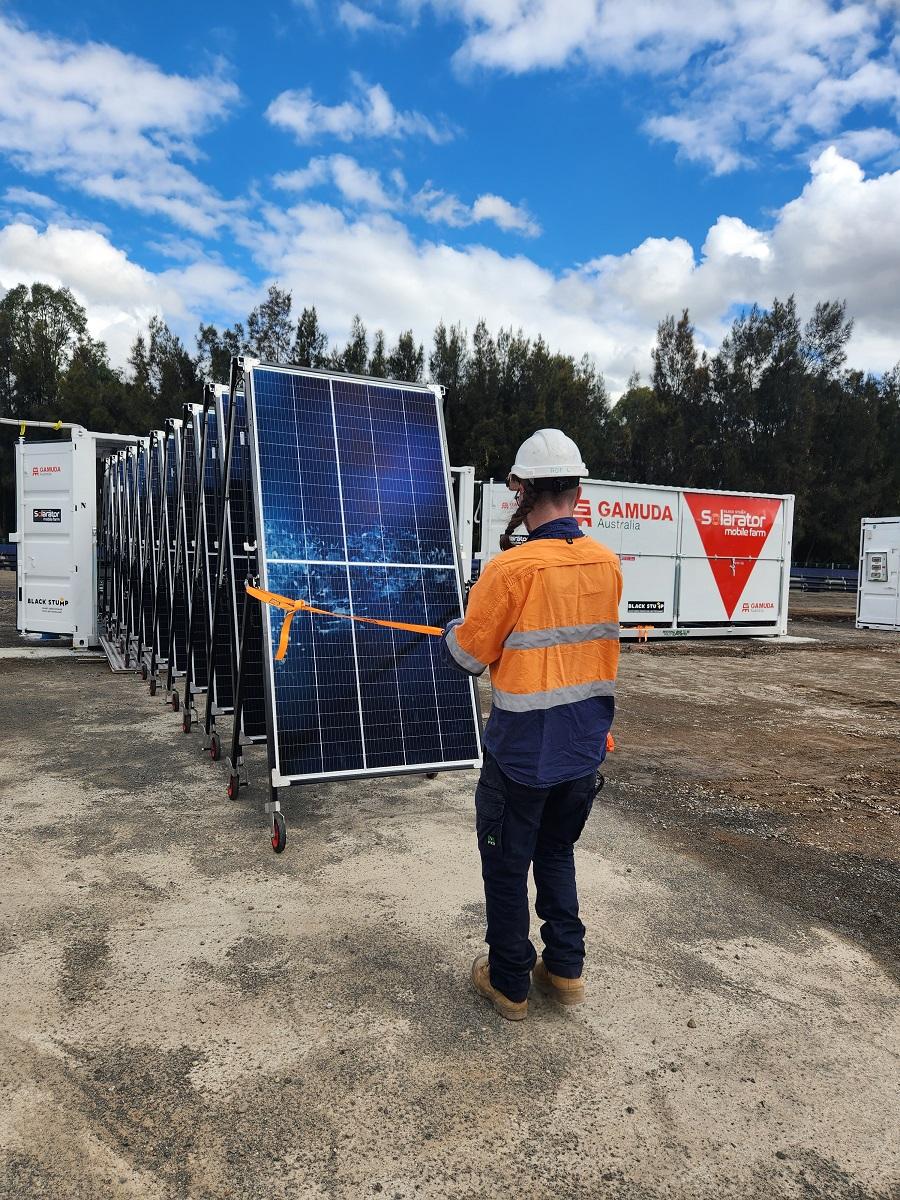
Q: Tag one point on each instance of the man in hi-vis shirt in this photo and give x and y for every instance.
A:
(544, 616)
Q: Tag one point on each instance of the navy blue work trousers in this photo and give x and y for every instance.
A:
(520, 827)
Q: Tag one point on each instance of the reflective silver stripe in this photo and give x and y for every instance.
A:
(467, 661)
(566, 635)
(514, 702)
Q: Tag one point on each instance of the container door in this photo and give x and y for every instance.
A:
(641, 525)
(47, 567)
(732, 559)
(879, 576)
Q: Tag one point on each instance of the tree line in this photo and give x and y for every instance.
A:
(775, 409)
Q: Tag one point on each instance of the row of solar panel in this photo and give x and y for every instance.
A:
(338, 494)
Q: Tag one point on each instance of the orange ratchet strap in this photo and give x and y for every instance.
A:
(292, 607)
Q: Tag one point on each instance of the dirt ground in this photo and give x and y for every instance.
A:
(185, 1014)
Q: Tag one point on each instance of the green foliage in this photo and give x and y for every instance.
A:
(270, 330)
(406, 361)
(355, 356)
(310, 347)
(775, 410)
(378, 365)
(40, 329)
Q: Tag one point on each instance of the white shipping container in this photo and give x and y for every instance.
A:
(56, 534)
(694, 563)
(878, 595)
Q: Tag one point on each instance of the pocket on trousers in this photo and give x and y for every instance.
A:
(490, 806)
(590, 791)
(584, 818)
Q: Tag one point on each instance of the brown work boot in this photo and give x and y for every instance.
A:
(513, 1010)
(564, 991)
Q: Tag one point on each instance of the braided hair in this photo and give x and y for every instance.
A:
(527, 502)
(531, 490)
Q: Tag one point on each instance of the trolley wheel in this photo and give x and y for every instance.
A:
(601, 779)
(175, 702)
(153, 686)
(233, 787)
(431, 775)
(186, 722)
(279, 832)
(215, 747)
(144, 672)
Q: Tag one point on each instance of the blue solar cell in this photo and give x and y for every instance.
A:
(356, 519)
(141, 472)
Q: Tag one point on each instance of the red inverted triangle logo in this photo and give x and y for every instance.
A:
(733, 530)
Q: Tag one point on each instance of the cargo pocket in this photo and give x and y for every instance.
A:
(584, 819)
(590, 791)
(490, 805)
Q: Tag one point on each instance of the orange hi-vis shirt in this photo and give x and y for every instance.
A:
(544, 617)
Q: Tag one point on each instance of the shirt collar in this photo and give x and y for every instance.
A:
(561, 527)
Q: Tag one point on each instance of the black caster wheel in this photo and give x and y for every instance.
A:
(279, 832)
(175, 702)
(186, 722)
(144, 672)
(152, 687)
(233, 786)
(600, 782)
(431, 775)
(215, 747)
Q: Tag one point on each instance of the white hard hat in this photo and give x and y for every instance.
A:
(548, 454)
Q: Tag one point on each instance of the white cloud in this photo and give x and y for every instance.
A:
(831, 242)
(737, 72)
(370, 114)
(120, 296)
(444, 208)
(109, 124)
(359, 20)
(828, 243)
(356, 184)
(507, 216)
(441, 208)
(22, 205)
(865, 145)
(29, 199)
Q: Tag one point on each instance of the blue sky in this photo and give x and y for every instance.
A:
(579, 169)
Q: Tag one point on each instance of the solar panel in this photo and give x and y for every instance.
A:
(222, 686)
(142, 592)
(351, 485)
(159, 594)
(135, 547)
(122, 516)
(241, 528)
(190, 501)
(178, 642)
(110, 540)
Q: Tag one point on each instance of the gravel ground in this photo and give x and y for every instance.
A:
(186, 1014)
